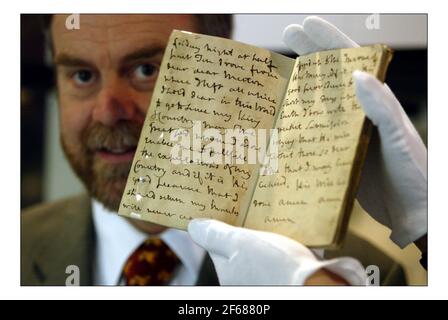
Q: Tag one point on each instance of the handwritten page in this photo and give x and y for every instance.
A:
(207, 85)
(321, 145)
(219, 84)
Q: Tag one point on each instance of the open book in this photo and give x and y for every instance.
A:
(316, 138)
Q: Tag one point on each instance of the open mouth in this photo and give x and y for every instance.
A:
(117, 155)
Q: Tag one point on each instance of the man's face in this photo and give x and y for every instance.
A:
(106, 72)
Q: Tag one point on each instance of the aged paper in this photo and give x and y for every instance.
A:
(213, 83)
(223, 84)
(321, 126)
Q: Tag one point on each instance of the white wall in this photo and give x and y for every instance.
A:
(397, 31)
(59, 179)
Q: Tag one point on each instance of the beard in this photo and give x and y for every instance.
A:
(104, 181)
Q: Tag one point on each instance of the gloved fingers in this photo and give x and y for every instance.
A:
(296, 39)
(348, 268)
(326, 35)
(212, 235)
(378, 102)
(417, 148)
(385, 111)
(382, 107)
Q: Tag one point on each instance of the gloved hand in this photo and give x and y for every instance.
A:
(393, 188)
(248, 257)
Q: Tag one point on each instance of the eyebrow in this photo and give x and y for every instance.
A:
(65, 59)
(143, 53)
(70, 61)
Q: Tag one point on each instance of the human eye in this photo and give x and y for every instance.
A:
(83, 77)
(143, 75)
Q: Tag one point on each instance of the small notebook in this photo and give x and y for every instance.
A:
(299, 116)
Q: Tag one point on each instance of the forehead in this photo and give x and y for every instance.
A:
(116, 32)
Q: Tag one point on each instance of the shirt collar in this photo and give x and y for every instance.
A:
(117, 239)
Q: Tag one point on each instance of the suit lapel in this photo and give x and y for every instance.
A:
(68, 239)
(68, 242)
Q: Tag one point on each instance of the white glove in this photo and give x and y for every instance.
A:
(394, 180)
(247, 257)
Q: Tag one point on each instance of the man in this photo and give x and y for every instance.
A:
(106, 72)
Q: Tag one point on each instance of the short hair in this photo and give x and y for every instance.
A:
(219, 25)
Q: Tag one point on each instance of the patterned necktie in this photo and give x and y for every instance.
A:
(152, 264)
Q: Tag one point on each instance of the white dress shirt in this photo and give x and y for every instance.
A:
(116, 240)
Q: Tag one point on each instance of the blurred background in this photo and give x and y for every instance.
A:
(46, 175)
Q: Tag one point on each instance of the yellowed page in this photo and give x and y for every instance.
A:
(223, 84)
(321, 136)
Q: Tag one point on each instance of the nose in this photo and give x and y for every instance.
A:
(114, 103)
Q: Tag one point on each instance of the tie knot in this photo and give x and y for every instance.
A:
(152, 264)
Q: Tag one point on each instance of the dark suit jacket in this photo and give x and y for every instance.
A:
(59, 234)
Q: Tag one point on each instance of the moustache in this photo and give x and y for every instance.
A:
(121, 137)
